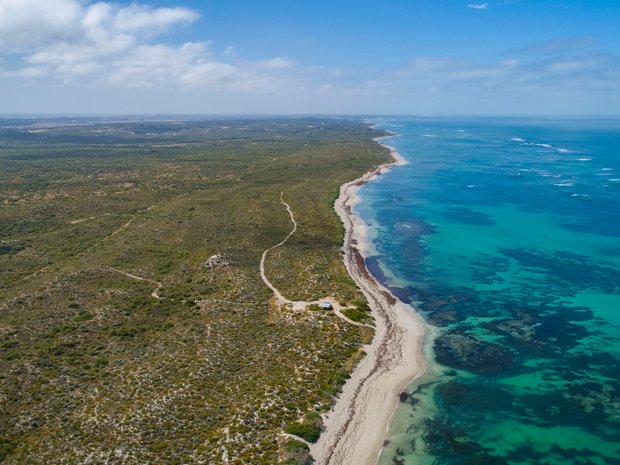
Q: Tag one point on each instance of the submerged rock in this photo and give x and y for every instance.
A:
(465, 352)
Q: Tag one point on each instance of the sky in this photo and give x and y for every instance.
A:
(417, 57)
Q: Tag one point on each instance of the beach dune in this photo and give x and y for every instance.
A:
(356, 427)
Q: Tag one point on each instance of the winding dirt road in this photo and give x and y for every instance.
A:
(300, 305)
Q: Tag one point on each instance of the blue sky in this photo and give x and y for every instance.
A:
(401, 56)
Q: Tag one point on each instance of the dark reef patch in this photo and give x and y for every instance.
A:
(460, 302)
(543, 330)
(449, 443)
(557, 407)
(374, 267)
(569, 271)
(475, 397)
(465, 352)
(415, 227)
(468, 216)
(402, 294)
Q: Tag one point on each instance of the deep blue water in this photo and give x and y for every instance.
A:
(505, 235)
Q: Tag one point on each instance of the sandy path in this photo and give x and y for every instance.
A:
(277, 293)
(82, 220)
(300, 304)
(83, 252)
(357, 424)
(155, 293)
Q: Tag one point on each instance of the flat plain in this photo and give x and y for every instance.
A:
(134, 324)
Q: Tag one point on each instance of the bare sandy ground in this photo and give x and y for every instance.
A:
(357, 425)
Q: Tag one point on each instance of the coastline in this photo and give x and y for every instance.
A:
(357, 425)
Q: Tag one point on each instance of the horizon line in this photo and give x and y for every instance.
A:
(26, 115)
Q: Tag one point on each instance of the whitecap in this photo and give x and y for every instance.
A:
(518, 139)
(565, 184)
(579, 195)
(584, 159)
(547, 146)
(469, 186)
(429, 135)
(606, 169)
(544, 174)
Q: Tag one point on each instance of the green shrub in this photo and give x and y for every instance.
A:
(296, 453)
(313, 418)
(310, 433)
(294, 446)
(361, 305)
(7, 447)
(124, 332)
(354, 314)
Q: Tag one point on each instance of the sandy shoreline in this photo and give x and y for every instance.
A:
(357, 425)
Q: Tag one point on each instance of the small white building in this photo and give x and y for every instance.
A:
(325, 306)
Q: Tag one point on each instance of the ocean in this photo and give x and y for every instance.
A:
(504, 233)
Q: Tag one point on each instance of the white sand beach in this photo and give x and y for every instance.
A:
(357, 425)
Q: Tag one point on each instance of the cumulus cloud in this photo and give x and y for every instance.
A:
(112, 44)
(25, 24)
(30, 24)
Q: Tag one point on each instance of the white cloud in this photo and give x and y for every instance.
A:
(25, 24)
(30, 24)
(230, 51)
(556, 46)
(561, 61)
(478, 6)
(276, 63)
(442, 68)
(574, 78)
(138, 18)
(110, 44)
(324, 89)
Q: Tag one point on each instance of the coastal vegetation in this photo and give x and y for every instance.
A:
(134, 325)
(296, 453)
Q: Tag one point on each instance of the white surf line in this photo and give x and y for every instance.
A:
(140, 278)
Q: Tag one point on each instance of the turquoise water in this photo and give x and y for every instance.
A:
(505, 235)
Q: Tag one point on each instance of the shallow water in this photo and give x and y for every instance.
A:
(505, 234)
